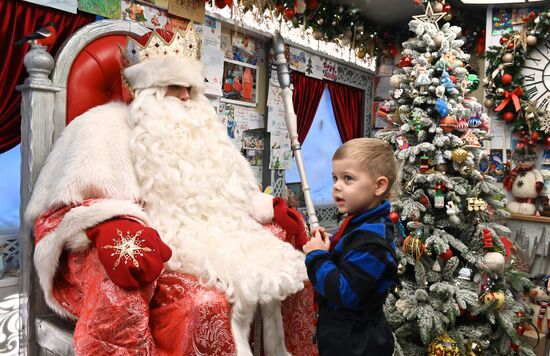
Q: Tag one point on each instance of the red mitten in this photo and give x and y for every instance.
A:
(291, 221)
(539, 186)
(133, 255)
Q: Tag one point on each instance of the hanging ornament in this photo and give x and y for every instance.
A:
(452, 212)
(361, 52)
(414, 247)
(448, 123)
(437, 7)
(506, 79)
(312, 4)
(508, 58)
(401, 268)
(394, 217)
(447, 9)
(494, 262)
(473, 348)
(462, 125)
(508, 116)
(476, 204)
(424, 164)
(465, 273)
(220, 4)
(496, 297)
(320, 21)
(474, 122)
(439, 199)
(445, 256)
(459, 155)
(520, 329)
(503, 40)
(510, 45)
(436, 266)
(448, 17)
(438, 40)
(317, 35)
(531, 40)
(489, 103)
(473, 82)
(423, 199)
(288, 12)
(443, 345)
(405, 61)
(471, 140)
(442, 107)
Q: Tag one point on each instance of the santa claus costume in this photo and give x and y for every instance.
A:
(167, 168)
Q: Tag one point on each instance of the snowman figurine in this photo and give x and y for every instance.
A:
(525, 181)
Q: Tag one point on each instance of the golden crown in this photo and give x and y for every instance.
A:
(162, 43)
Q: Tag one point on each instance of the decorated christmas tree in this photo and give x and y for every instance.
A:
(459, 291)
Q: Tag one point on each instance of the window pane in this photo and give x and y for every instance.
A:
(9, 191)
(317, 150)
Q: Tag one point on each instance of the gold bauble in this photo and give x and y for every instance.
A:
(459, 155)
(437, 7)
(531, 40)
(489, 103)
(508, 58)
(474, 348)
(448, 17)
(494, 296)
(443, 345)
(414, 247)
(361, 52)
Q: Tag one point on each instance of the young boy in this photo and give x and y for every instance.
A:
(353, 271)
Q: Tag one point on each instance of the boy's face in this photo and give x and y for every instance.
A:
(354, 190)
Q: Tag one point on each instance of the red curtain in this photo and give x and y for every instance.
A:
(20, 18)
(349, 111)
(306, 98)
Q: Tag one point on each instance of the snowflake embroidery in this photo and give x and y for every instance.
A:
(128, 248)
(520, 183)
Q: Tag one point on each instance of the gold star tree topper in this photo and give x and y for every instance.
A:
(127, 248)
(430, 16)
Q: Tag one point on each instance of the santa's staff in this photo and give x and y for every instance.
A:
(290, 118)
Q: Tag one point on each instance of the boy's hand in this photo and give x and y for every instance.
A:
(319, 241)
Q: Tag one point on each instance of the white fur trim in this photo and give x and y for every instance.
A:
(274, 336)
(164, 71)
(91, 159)
(70, 234)
(261, 207)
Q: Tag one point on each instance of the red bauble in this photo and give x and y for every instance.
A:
(520, 329)
(503, 40)
(535, 136)
(514, 347)
(279, 7)
(394, 217)
(288, 12)
(547, 141)
(445, 256)
(506, 79)
(447, 8)
(312, 4)
(508, 116)
(220, 4)
(452, 78)
(448, 123)
(229, 3)
(510, 45)
(405, 62)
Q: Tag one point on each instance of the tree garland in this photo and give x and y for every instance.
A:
(504, 83)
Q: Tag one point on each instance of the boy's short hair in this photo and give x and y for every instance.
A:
(376, 156)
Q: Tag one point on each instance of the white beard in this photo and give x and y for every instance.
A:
(196, 188)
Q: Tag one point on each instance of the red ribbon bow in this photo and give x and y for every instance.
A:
(514, 95)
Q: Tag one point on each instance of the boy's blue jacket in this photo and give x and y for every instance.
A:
(359, 272)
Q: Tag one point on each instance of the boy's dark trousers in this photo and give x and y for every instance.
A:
(345, 333)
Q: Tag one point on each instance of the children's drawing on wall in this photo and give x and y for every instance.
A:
(239, 83)
(497, 166)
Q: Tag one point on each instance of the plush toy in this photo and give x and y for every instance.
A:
(540, 303)
(525, 181)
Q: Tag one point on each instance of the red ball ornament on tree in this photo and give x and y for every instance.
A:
(394, 217)
(452, 78)
(447, 8)
(508, 116)
(405, 62)
(445, 256)
(229, 3)
(220, 4)
(535, 136)
(312, 4)
(506, 79)
(510, 45)
(514, 347)
(279, 7)
(547, 141)
(503, 40)
(288, 12)
(520, 329)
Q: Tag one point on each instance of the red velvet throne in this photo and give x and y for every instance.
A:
(87, 73)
